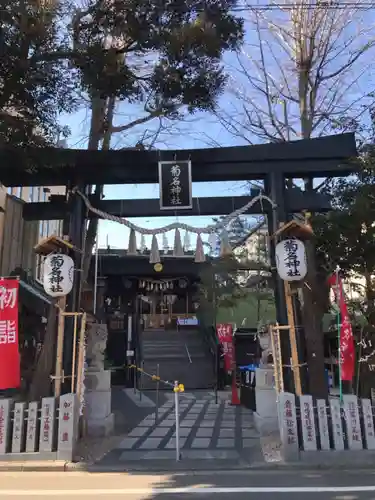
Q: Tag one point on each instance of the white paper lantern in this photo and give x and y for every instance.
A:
(58, 274)
(291, 260)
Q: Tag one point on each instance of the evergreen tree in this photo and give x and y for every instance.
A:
(164, 55)
(346, 237)
(237, 230)
(34, 88)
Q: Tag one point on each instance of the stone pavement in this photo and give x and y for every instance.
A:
(209, 433)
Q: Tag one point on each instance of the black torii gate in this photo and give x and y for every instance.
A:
(272, 163)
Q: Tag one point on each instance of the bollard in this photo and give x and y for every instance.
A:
(177, 411)
(157, 394)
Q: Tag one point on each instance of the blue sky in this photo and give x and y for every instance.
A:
(196, 132)
(117, 235)
(201, 130)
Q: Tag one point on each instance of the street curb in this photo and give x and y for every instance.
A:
(32, 467)
(257, 467)
(94, 468)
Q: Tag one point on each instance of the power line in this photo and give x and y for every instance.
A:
(324, 4)
(271, 6)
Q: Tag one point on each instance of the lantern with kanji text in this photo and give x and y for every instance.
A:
(291, 260)
(58, 274)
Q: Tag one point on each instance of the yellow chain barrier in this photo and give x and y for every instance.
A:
(156, 378)
(177, 389)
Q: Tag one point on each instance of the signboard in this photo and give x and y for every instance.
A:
(18, 427)
(32, 423)
(224, 333)
(192, 321)
(353, 424)
(5, 415)
(368, 424)
(308, 423)
(67, 426)
(323, 424)
(337, 431)
(47, 424)
(288, 425)
(10, 376)
(175, 185)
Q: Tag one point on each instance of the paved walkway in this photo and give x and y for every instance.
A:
(208, 432)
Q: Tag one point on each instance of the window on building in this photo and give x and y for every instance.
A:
(46, 229)
(9, 190)
(17, 191)
(31, 194)
(41, 228)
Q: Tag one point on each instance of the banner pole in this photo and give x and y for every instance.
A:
(60, 347)
(338, 303)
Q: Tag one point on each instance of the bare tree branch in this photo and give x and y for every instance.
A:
(138, 121)
(305, 66)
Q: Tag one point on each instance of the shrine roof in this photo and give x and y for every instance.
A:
(116, 262)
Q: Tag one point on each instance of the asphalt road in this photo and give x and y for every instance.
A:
(342, 485)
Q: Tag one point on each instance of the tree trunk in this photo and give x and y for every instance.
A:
(314, 338)
(102, 118)
(370, 298)
(41, 384)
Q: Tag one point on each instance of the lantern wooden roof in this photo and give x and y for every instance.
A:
(294, 229)
(54, 244)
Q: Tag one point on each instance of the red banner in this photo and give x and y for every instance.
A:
(10, 376)
(225, 335)
(347, 351)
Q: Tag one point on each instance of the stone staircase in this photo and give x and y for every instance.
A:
(181, 356)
